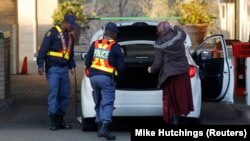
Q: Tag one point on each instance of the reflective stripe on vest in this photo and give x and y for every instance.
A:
(59, 54)
(65, 52)
(101, 53)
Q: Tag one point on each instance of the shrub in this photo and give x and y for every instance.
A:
(74, 8)
(195, 12)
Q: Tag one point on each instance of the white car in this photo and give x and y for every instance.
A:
(211, 74)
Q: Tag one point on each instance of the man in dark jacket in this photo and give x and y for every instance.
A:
(57, 52)
(105, 62)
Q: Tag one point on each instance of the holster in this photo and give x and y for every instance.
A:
(47, 65)
(115, 78)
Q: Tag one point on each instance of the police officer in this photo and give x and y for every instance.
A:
(57, 52)
(105, 62)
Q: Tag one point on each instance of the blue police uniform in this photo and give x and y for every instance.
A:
(105, 61)
(56, 70)
(104, 100)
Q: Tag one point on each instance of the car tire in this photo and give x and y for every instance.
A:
(88, 124)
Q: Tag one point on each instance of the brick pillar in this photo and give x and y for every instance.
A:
(4, 65)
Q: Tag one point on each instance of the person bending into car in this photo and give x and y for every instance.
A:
(105, 62)
(170, 59)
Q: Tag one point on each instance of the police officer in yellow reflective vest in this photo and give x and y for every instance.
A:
(105, 62)
(57, 53)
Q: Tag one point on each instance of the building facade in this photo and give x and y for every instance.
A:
(27, 20)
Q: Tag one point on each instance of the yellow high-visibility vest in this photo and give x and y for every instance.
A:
(65, 52)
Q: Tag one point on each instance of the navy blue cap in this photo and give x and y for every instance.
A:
(71, 19)
(111, 27)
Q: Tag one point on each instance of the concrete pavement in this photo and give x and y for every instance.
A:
(30, 92)
(26, 119)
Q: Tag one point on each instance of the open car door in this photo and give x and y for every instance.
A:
(215, 69)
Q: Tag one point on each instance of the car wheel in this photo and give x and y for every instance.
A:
(88, 124)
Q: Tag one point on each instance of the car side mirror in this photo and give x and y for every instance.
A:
(83, 56)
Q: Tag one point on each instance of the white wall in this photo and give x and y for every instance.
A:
(244, 20)
(227, 18)
(235, 16)
(45, 9)
(27, 30)
(30, 23)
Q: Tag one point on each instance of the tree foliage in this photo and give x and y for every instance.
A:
(195, 12)
(113, 8)
(68, 7)
(160, 8)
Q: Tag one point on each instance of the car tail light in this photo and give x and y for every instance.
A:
(87, 72)
(192, 71)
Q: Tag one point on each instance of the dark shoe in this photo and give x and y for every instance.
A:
(53, 123)
(175, 120)
(61, 124)
(99, 129)
(105, 131)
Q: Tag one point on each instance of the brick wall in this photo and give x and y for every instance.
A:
(4, 66)
(8, 12)
(8, 22)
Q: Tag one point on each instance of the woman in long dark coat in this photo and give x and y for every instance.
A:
(171, 61)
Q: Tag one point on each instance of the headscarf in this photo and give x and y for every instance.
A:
(163, 28)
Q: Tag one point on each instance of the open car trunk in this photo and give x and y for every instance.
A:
(138, 57)
(137, 31)
(136, 77)
(137, 42)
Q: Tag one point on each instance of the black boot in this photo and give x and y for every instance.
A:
(105, 131)
(99, 129)
(62, 124)
(53, 122)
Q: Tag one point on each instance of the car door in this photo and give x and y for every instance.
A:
(215, 69)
